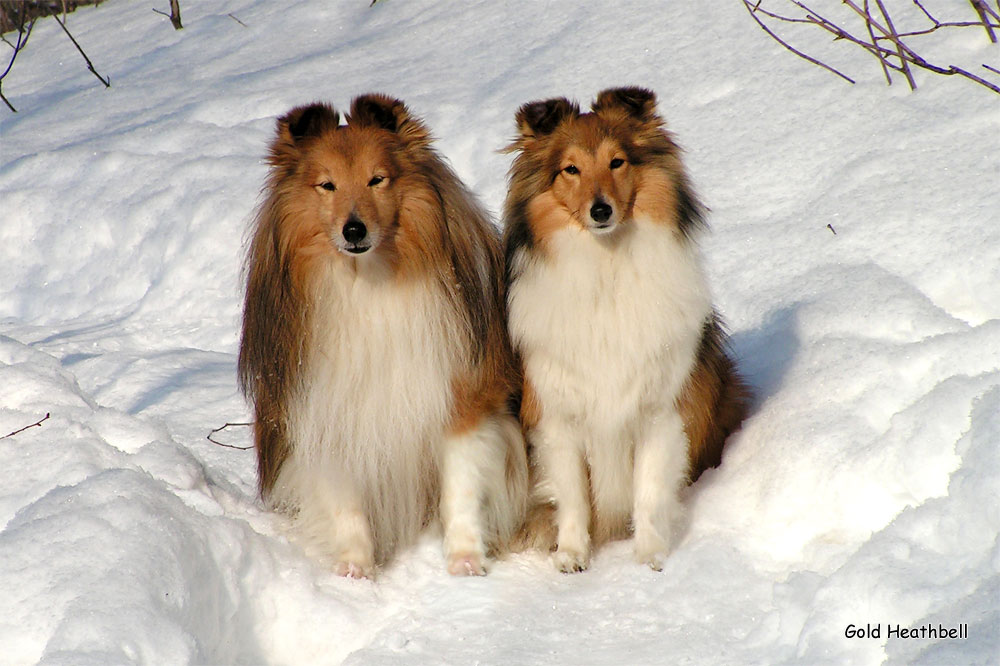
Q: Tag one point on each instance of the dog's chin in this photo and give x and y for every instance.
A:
(603, 228)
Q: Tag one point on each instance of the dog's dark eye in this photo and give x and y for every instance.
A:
(375, 180)
(328, 186)
(572, 170)
(617, 162)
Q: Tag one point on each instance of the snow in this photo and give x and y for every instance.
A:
(863, 490)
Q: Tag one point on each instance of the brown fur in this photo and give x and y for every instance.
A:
(433, 228)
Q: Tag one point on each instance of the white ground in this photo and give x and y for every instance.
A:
(863, 490)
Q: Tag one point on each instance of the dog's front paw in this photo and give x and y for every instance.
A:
(652, 559)
(354, 569)
(571, 561)
(651, 549)
(467, 564)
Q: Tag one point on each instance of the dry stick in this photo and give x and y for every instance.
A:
(896, 41)
(981, 9)
(751, 9)
(907, 55)
(237, 20)
(228, 446)
(926, 13)
(20, 430)
(22, 41)
(881, 60)
(175, 14)
(90, 65)
(992, 69)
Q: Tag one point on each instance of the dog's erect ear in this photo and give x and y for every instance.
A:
(536, 119)
(307, 121)
(637, 102)
(388, 113)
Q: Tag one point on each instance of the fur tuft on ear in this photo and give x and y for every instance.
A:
(307, 121)
(637, 102)
(536, 119)
(388, 113)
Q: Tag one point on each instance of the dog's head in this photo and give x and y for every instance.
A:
(347, 180)
(592, 169)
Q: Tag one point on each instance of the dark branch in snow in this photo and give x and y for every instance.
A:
(90, 65)
(37, 423)
(22, 41)
(753, 13)
(237, 20)
(228, 446)
(883, 41)
(174, 15)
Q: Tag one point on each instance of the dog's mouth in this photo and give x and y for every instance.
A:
(357, 249)
(602, 228)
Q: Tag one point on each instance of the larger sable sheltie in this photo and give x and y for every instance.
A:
(374, 347)
(628, 391)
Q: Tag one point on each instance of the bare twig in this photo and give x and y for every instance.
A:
(37, 423)
(22, 41)
(237, 20)
(992, 69)
(752, 9)
(895, 40)
(984, 13)
(926, 13)
(881, 61)
(228, 446)
(174, 15)
(830, 227)
(885, 42)
(90, 65)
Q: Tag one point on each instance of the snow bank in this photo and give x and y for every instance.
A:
(855, 253)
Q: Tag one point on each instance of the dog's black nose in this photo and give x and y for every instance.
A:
(354, 231)
(600, 211)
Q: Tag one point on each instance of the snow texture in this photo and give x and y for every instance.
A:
(863, 490)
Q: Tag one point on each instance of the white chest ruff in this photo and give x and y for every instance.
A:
(375, 395)
(608, 328)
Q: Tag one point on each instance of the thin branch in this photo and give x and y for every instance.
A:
(37, 423)
(881, 60)
(926, 13)
(90, 65)
(992, 69)
(879, 32)
(228, 446)
(752, 9)
(174, 20)
(22, 41)
(895, 40)
(984, 12)
(237, 20)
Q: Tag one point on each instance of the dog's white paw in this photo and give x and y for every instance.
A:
(467, 564)
(652, 559)
(568, 560)
(354, 569)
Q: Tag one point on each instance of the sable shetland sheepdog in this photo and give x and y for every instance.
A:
(374, 345)
(628, 391)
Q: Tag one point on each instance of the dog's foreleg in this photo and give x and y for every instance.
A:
(564, 472)
(660, 467)
(331, 521)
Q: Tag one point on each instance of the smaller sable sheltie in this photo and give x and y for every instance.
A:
(374, 345)
(628, 392)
